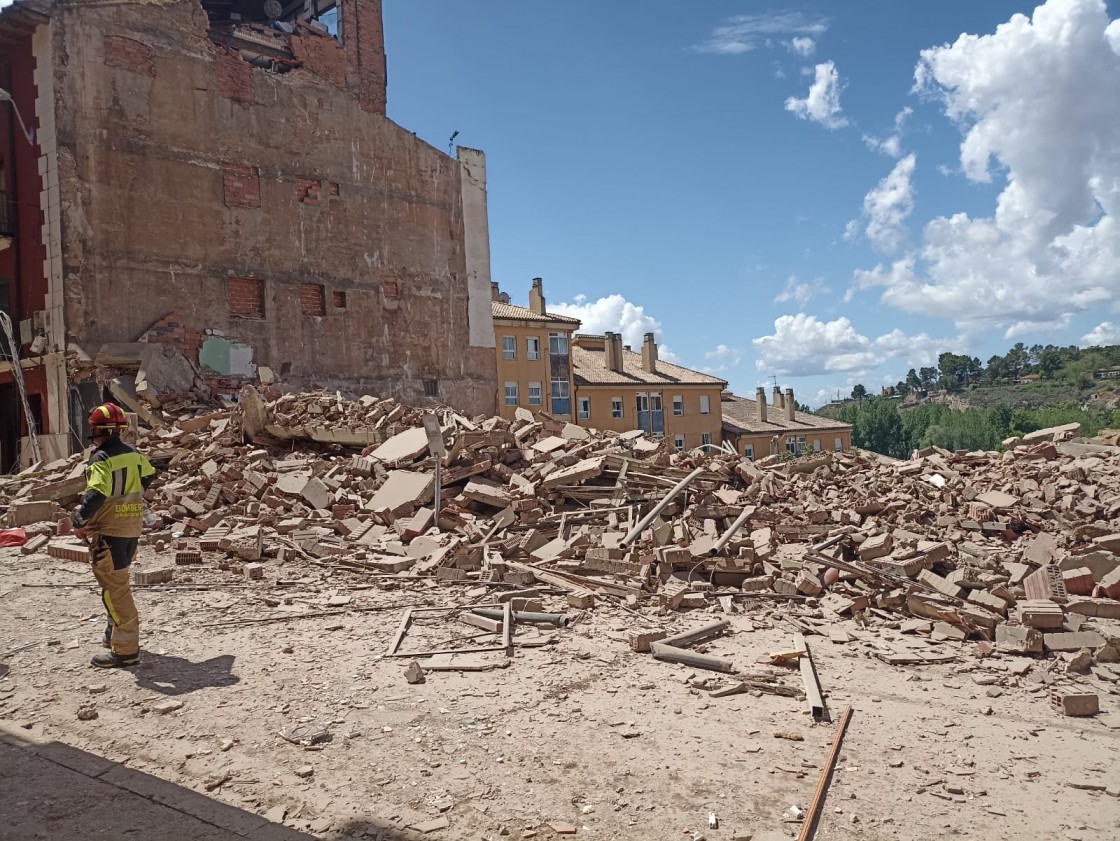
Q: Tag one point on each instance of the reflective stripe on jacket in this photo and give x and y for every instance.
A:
(116, 471)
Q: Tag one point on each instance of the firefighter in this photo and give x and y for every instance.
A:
(110, 519)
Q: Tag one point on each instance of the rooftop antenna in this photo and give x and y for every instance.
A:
(451, 141)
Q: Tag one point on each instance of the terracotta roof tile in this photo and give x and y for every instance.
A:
(513, 311)
(590, 368)
(741, 414)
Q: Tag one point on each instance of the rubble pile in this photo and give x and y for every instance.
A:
(1018, 551)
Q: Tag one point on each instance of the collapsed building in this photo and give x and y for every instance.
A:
(221, 179)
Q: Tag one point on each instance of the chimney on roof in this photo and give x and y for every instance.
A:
(791, 405)
(614, 352)
(495, 293)
(649, 353)
(779, 401)
(536, 297)
(760, 396)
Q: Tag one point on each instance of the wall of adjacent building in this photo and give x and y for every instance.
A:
(692, 424)
(762, 444)
(524, 371)
(284, 210)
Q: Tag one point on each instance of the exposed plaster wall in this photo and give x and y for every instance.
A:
(180, 175)
(476, 226)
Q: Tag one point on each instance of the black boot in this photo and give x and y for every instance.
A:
(115, 661)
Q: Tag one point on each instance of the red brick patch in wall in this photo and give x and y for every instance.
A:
(391, 289)
(312, 192)
(246, 297)
(311, 299)
(322, 56)
(338, 299)
(170, 330)
(363, 32)
(235, 78)
(241, 185)
(129, 54)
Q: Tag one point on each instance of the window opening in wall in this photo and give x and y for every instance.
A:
(536, 397)
(796, 444)
(312, 299)
(338, 299)
(705, 407)
(511, 394)
(706, 439)
(816, 445)
(839, 444)
(246, 297)
(584, 408)
(6, 308)
(509, 347)
(616, 407)
(557, 344)
(431, 388)
(533, 348)
(748, 452)
(678, 405)
(561, 397)
(678, 441)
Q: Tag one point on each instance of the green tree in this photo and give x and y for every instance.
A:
(912, 380)
(879, 428)
(859, 392)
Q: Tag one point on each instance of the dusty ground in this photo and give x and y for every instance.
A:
(583, 731)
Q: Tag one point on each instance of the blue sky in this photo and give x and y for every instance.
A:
(826, 193)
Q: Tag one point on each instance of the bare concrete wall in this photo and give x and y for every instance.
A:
(181, 168)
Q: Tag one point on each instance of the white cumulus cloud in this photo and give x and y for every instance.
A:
(822, 105)
(1104, 334)
(1038, 105)
(615, 314)
(724, 358)
(803, 345)
(803, 46)
(743, 33)
(891, 145)
(799, 292)
(886, 208)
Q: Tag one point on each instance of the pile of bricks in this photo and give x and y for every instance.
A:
(1017, 548)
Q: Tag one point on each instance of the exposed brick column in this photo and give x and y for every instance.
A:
(363, 38)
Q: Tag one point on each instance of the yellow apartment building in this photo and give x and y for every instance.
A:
(534, 355)
(755, 429)
(621, 390)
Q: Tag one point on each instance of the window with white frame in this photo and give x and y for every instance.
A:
(509, 347)
(535, 397)
(616, 407)
(678, 440)
(704, 407)
(816, 445)
(584, 408)
(706, 439)
(511, 394)
(839, 444)
(561, 397)
(796, 444)
(533, 347)
(748, 451)
(678, 405)
(558, 344)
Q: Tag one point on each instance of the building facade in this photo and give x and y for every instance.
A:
(755, 430)
(619, 389)
(202, 160)
(533, 355)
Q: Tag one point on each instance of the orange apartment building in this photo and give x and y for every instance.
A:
(534, 355)
(619, 389)
(756, 430)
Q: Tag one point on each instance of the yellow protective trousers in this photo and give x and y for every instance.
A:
(110, 558)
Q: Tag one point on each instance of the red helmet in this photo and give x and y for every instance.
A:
(108, 418)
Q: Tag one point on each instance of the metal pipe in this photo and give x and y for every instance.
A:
(672, 654)
(694, 636)
(725, 538)
(559, 619)
(636, 532)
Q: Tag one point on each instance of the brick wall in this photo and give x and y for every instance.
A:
(246, 297)
(311, 299)
(241, 185)
(129, 54)
(235, 78)
(170, 330)
(322, 56)
(363, 33)
(313, 192)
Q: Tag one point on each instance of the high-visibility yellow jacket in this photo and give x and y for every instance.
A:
(116, 476)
